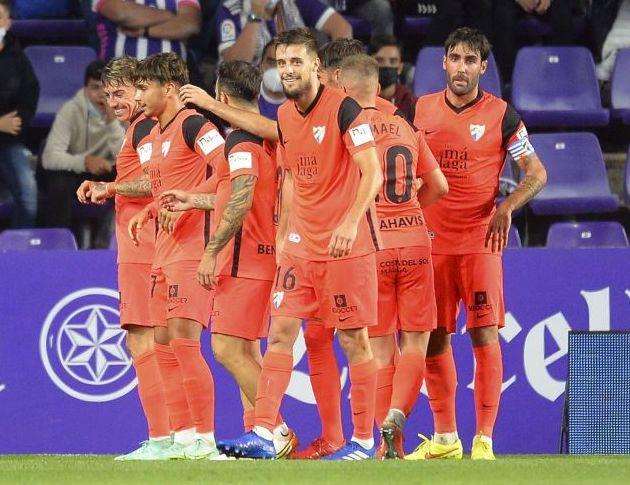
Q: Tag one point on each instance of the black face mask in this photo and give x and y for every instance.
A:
(387, 76)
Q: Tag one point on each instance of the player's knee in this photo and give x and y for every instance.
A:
(139, 340)
(355, 344)
(282, 334)
(318, 337)
(439, 342)
(383, 349)
(225, 352)
(481, 336)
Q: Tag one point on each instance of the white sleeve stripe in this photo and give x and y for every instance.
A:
(520, 148)
(324, 18)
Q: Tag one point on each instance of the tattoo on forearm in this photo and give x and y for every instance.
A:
(135, 188)
(529, 186)
(234, 213)
(204, 201)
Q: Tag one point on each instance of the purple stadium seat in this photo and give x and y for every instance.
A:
(49, 28)
(430, 77)
(414, 27)
(587, 235)
(514, 238)
(361, 28)
(620, 87)
(60, 70)
(556, 86)
(577, 180)
(37, 239)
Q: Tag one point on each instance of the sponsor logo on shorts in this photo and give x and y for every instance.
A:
(481, 305)
(342, 307)
(400, 265)
(82, 347)
(294, 238)
(277, 297)
(173, 290)
(174, 300)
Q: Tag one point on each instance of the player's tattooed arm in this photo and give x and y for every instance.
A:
(533, 181)
(535, 178)
(140, 187)
(204, 201)
(232, 218)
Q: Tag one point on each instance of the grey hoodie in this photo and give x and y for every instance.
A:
(77, 132)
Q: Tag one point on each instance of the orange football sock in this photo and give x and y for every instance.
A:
(407, 381)
(198, 382)
(272, 384)
(363, 398)
(248, 420)
(174, 394)
(441, 379)
(325, 380)
(151, 393)
(384, 380)
(488, 382)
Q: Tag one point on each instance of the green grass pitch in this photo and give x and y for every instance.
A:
(507, 470)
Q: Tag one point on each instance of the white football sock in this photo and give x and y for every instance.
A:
(281, 429)
(485, 439)
(446, 438)
(185, 436)
(264, 433)
(160, 438)
(367, 444)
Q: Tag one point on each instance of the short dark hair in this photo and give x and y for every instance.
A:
(473, 38)
(271, 44)
(239, 79)
(166, 67)
(93, 71)
(8, 4)
(335, 51)
(384, 40)
(297, 37)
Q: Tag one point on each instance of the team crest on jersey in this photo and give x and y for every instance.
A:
(477, 131)
(144, 152)
(319, 132)
(166, 146)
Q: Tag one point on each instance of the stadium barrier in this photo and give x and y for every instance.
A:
(67, 384)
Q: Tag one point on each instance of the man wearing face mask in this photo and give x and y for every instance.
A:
(19, 91)
(83, 143)
(271, 93)
(388, 53)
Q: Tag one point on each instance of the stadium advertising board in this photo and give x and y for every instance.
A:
(67, 384)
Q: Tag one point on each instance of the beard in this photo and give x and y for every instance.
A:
(296, 89)
(471, 84)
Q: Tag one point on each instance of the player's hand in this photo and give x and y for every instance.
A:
(136, 224)
(100, 192)
(197, 96)
(342, 239)
(167, 220)
(97, 165)
(498, 229)
(528, 5)
(11, 123)
(84, 192)
(543, 6)
(177, 200)
(205, 271)
(259, 10)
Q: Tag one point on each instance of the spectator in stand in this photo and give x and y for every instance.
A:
(388, 53)
(452, 14)
(19, 93)
(377, 12)
(558, 13)
(271, 92)
(139, 28)
(244, 28)
(82, 144)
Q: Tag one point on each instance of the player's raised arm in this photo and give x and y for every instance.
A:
(535, 178)
(252, 122)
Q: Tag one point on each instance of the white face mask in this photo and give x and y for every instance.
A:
(3, 32)
(272, 81)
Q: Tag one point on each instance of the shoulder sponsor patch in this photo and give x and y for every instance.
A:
(144, 152)
(240, 161)
(361, 134)
(210, 141)
(228, 31)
